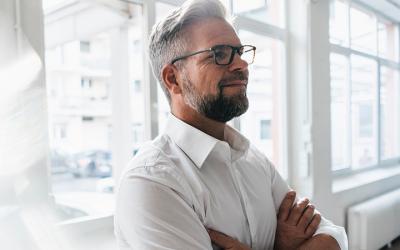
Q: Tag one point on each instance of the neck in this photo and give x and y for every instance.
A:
(193, 118)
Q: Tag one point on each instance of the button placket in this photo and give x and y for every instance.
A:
(243, 199)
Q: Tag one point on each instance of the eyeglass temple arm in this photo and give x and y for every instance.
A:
(188, 55)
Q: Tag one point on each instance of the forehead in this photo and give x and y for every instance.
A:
(210, 32)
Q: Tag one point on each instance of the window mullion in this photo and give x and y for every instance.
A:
(379, 112)
(349, 107)
(150, 83)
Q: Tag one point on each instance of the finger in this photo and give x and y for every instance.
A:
(313, 226)
(297, 211)
(306, 218)
(220, 239)
(286, 205)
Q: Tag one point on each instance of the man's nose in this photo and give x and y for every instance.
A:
(238, 63)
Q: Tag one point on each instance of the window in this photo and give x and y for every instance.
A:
(265, 129)
(138, 136)
(388, 39)
(363, 35)
(363, 111)
(365, 120)
(338, 23)
(263, 90)
(86, 83)
(390, 113)
(137, 86)
(267, 11)
(78, 102)
(339, 111)
(136, 73)
(362, 72)
(89, 66)
(85, 46)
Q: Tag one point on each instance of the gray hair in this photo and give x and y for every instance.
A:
(167, 39)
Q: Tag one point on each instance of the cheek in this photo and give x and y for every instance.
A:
(207, 77)
(211, 82)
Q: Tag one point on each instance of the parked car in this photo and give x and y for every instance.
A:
(94, 163)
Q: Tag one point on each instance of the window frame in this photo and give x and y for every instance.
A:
(348, 51)
(280, 34)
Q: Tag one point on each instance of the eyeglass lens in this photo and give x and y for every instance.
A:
(224, 54)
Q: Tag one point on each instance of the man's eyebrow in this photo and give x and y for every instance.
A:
(206, 57)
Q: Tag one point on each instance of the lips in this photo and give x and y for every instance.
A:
(236, 79)
(235, 83)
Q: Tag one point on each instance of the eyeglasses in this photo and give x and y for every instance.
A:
(224, 54)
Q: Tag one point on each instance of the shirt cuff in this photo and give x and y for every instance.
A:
(338, 233)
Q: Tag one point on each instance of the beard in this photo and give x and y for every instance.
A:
(217, 107)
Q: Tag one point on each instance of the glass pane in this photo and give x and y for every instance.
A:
(388, 40)
(390, 113)
(136, 76)
(265, 130)
(340, 111)
(81, 69)
(363, 31)
(363, 111)
(339, 23)
(79, 100)
(262, 122)
(271, 11)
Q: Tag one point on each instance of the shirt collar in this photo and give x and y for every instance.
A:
(238, 143)
(197, 145)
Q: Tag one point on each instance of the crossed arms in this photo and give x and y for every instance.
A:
(296, 226)
(141, 224)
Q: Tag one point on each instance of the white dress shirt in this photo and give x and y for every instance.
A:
(185, 180)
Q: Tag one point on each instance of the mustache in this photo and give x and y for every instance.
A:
(238, 75)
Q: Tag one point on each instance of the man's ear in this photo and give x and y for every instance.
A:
(171, 78)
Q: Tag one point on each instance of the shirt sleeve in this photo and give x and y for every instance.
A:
(279, 190)
(151, 215)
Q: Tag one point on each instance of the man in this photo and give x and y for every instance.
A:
(201, 184)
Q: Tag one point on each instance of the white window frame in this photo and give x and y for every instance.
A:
(348, 52)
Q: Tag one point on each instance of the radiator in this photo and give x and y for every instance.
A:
(375, 222)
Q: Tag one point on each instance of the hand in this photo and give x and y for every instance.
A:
(296, 223)
(226, 242)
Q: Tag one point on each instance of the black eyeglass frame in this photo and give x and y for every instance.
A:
(212, 49)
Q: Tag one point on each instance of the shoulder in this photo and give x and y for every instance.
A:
(153, 162)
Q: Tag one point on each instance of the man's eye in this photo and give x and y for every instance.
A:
(220, 54)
